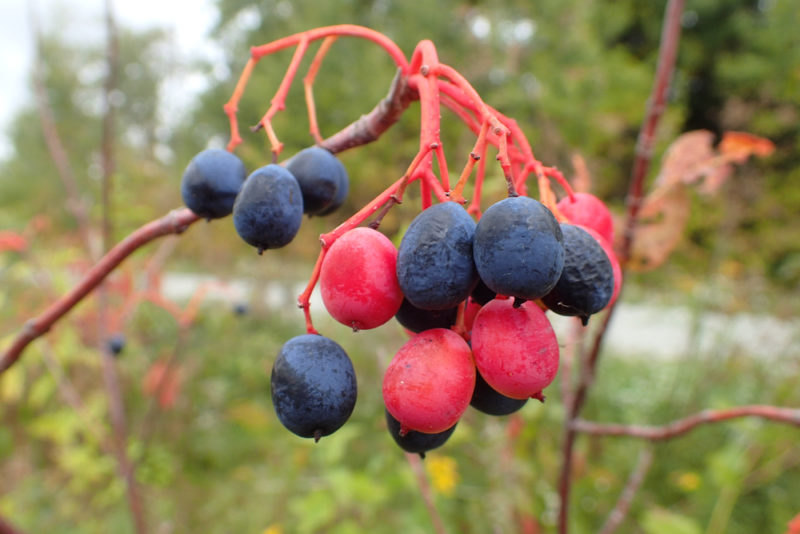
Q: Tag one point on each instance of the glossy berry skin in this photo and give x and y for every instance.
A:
(515, 349)
(518, 248)
(429, 383)
(211, 181)
(269, 208)
(587, 281)
(319, 174)
(416, 442)
(487, 400)
(434, 261)
(357, 279)
(585, 209)
(417, 319)
(313, 386)
(342, 190)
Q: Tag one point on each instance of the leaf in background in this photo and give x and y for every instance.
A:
(685, 158)
(738, 146)
(662, 220)
(582, 181)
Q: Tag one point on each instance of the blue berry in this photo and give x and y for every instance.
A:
(269, 208)
(211, 182)
(518, 248)
(313, 386)
(322, 178)
(434, 261)
(116, 343)
(416, 442)
(489, 401)
(587, 281)
(418, 319)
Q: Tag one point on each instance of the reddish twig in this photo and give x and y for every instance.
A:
(635, 480)
(174, 222)
(667, 54)
(680, 427)
(7, 528)
(425, 491)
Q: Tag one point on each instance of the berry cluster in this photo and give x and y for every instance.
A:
(471, 288)
(472, 295)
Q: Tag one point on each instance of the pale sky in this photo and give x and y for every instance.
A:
(188, 20)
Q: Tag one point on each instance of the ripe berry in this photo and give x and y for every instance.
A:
(518, 248)
(116, 343)
(515, 348)
(313, 386)
(487, 400)
(587, 281)
(585, 209)
(211, 182)
(434, 261)
(417, 319)
(429, 383)
(612, 257)
(358, 281)
(269, 208)
(416, 442)
(320, 175)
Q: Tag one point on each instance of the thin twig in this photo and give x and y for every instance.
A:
(635, 480)
(175, 222)
(7, 528)
(680, 427)
(425, 490)
(667, 54)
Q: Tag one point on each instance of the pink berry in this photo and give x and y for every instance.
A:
(515, 349)
(358, 279)
(585, 209)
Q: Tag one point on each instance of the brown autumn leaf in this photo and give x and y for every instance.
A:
(685, 157)
(738, 146)
(662, 221)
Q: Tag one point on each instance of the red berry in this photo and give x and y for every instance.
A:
(515, 349)
(585, 209)
(358, 279)
(429, 383)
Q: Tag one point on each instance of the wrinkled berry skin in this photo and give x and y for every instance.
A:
(269, 208)
(416, 442)
(485, 399)
(320, 175)
(585, 209)
(434, 261)
(518, 248)
(587, 281)
(417, 319)
(211, 182)
(313, 386)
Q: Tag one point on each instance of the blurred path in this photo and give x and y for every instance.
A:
(637, 330)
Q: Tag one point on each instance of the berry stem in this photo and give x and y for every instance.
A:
(308, 86)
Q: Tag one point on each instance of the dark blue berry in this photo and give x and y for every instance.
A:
(416, 442)
(269, 208)
(211, 182)
(518, 248)
(435, 268)
(116, 343)
(489, 401)
(313, 386)
(587, 281)
(418, 319)
(321, 177)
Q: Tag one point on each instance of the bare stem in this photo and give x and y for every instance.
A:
(635, 480)
(680, 427)
(425, 490)
(667, 54)
(174, 222)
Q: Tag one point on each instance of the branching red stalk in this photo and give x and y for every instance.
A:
(635, 480)
(668, 50)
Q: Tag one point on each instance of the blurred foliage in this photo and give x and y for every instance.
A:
(576, 75)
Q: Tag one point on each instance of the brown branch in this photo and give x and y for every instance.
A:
(371, 126)
(7, 528)
(667, 54)
(174, 222)
(680, 427)
(635, 480)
